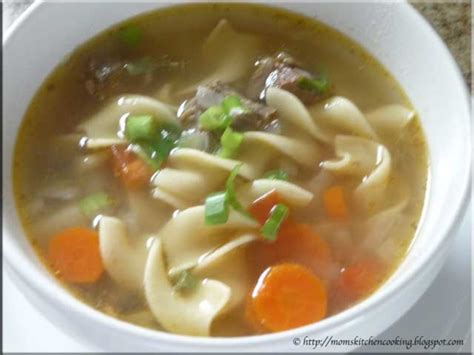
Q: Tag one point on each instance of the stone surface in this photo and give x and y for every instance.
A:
(452, 21)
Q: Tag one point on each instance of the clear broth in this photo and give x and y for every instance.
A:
(63, 101)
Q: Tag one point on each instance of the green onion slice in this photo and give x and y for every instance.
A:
(221, 116)
(231, 194)
(214, 118)
(272, 225)
(148, 155)
(230, 143)
(230, 188)
(319, 85)
(92, 204)
(233, 106)
(217, 205)
(166, 142)
(216, 208)
(277, 175)
(142, 127)
(131, 35)
(153, 145)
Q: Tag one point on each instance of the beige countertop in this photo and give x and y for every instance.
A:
(450, 18)
(452, 21)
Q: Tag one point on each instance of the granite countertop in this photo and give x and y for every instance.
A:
(452, 20)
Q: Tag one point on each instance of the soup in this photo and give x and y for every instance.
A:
(248, 171)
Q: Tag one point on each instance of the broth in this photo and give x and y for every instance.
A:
(150, 55)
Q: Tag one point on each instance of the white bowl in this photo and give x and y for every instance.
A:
(393, 32)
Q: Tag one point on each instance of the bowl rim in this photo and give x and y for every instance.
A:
(44, 286)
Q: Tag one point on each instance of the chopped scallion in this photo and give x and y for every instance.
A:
(221, 116)
(232, 195)
(172, 129)
(273, 223)
(230, 187)
(319, 85)
(92, 204)
(158, 151)
(214, 118)
(276, 175)
(147, 154)
(166, 142)
(143, 127)
(233, 106)
(217, 204)
(154, 145)
(230, 143)
(185, 281)
(131, 35)
(217, 208)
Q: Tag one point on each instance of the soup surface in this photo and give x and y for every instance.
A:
(220, 170)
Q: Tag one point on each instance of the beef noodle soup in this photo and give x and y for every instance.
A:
(221, 170)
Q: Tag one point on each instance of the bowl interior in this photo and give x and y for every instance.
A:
(394, 33)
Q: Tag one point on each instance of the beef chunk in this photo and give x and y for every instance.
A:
(107, 77)
(256, 117)
(282, 72)
(188, 113)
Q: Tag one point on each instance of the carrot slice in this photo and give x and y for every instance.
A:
(132, 170)
(300, 243)
(251, 317)
(361, 278)
(287, 296)
(335, 203)
(74, 254)
(296, 242)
